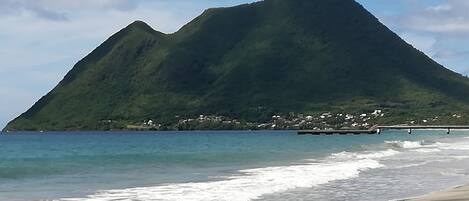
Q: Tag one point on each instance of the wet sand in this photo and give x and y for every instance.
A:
(460, 193)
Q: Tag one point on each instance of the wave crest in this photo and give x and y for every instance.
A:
(406, 144)
(248, 185)
(367, 155)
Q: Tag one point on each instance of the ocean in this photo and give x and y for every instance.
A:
(229, 165)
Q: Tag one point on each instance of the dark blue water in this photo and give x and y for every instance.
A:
(47, 166)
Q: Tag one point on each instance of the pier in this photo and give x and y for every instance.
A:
(339, 132)
(379, 129)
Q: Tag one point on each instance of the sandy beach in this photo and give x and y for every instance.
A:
(460, 193)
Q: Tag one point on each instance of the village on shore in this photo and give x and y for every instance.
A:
(291, 121)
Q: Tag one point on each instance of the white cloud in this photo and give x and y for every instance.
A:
(450, 17)
(440, 8)
(438, 24)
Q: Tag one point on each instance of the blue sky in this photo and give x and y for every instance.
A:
(40, 40)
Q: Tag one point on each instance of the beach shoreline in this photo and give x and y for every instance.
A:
(457, 193)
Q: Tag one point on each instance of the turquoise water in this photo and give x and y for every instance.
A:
(207, 165)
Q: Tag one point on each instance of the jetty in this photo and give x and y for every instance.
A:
(339, 132)
(379, 129)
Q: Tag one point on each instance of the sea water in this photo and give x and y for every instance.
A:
(238, 166)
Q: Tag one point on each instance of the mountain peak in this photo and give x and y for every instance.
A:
(138, 24)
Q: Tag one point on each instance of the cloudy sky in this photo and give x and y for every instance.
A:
(40, 40)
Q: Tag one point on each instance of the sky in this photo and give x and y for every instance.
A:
(41, 40)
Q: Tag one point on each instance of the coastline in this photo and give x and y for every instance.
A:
(457, 193)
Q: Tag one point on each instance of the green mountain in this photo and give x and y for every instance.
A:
(249, 62)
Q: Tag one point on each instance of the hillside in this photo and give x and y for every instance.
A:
(248, 63)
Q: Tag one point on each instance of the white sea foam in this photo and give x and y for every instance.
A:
(252, 184)
(380, 154)
(459, 147)
(419, 146)
(460, 157)
(405, 144)
(248, 185)
(464, 145)
(364, 155)
(427, 150)
(412, 165)
(454, 172)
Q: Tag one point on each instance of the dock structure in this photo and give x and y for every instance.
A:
(448, 128)
(339, 132)
(379, 129)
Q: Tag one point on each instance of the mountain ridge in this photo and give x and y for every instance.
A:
(250, 62)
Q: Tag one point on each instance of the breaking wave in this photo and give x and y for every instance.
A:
(252, 184)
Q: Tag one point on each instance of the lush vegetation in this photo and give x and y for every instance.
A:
(249, 62)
